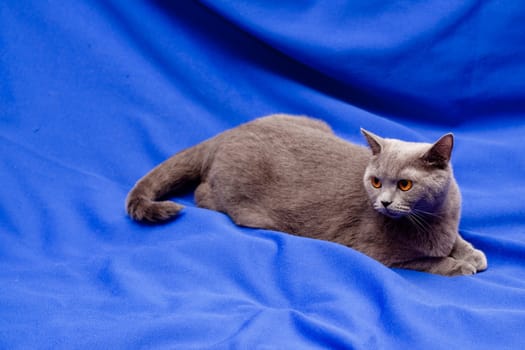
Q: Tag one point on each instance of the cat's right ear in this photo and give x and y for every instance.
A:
(374, 141)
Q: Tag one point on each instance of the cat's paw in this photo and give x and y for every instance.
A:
(478, 259)
(461, 268)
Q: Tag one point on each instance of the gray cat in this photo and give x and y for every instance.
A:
(398, 204)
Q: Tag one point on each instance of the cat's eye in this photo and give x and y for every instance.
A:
(376, 183)
(404, 185)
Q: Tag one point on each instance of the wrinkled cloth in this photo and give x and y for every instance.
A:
(93, 94)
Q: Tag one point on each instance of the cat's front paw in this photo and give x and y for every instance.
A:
(478, 259)
(461, 268)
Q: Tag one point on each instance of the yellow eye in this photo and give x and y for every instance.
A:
(376, 183)
(404, 185)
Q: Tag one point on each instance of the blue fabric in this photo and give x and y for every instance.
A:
(93, 94)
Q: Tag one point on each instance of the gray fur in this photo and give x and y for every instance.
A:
(292, 174)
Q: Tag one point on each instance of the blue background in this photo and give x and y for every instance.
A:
(93, 94)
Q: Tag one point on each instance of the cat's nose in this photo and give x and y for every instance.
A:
(385, 203)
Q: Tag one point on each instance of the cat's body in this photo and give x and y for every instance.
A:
(292, 174)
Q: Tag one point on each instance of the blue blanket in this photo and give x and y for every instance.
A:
(93, 94)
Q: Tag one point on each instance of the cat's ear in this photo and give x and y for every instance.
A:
(441, 151)
(374, 141)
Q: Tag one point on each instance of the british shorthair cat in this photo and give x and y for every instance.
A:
(396, 201)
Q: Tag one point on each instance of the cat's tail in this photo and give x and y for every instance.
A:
(145, 200)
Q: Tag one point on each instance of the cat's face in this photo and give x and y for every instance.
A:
(407, 179)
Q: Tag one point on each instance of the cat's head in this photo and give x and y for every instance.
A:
(406, 178)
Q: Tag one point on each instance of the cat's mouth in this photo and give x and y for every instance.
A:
(392, 213)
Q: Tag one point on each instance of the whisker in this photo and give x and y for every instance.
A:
(420, 222)
(419, 211)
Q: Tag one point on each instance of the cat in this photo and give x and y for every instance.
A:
(395, 201)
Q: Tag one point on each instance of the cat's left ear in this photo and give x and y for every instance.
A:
(374, 141)
(441, 151)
